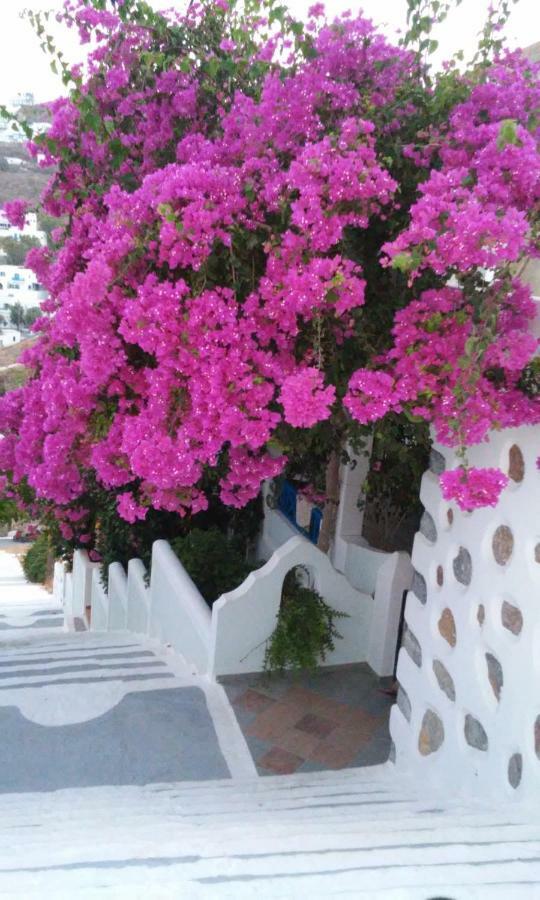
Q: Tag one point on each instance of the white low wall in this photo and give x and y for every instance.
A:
(138, 598)
(243, 620)
(99, 620)
(276, 529)
(82, 583)
(59, 578)
(179, 615)
(232, 637)
(468, 712)
(118, 599)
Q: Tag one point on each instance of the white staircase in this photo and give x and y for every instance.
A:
(356, 833)
(64, 833)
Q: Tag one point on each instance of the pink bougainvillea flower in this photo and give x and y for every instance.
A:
(305, 399)
(473, 488)
(15, 211)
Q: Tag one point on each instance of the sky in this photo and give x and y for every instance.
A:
(23, 66)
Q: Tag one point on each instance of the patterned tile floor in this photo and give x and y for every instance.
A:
(331, 719)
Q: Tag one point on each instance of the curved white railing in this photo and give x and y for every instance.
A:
(232, 637)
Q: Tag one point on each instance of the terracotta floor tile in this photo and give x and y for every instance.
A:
(301, 696)
(279, 761)
(298, 742)
(362, 725)
(348, 738)
(355, 715)
(253, 701)
(311, 702)
(275, 720)
(317, 725)
(333, 755)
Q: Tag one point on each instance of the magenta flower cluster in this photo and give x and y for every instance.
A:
(150, 371)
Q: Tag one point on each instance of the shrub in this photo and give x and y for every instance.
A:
(215, 562)
(305, 632)
(35, 560)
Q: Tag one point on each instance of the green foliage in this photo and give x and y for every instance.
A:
(16, 314)
(12, 378)
(391, 503)
(529, 382)
(16, 249)
(35, 560)
(305, 632)
(8, 512)
(215, 562)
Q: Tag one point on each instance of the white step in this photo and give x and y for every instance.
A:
(331, 835)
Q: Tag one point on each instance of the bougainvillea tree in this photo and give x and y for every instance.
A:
(274, 234)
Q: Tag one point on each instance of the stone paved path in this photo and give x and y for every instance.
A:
(123, 776)
(80, 710)
(332, 719)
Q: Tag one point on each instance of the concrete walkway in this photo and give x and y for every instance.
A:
(123, 776)
(80, 710)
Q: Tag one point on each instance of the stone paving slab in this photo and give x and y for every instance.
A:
(331, 719)
(149, 737)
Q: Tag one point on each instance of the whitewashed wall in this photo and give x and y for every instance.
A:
(138, 598)
(232, 637)
(82, 583)
(468, 711)
(243, 620)
(179, 615)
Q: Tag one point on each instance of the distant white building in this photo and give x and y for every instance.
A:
(23, 98)
(10, 336)
(30, 229)
(19, 285)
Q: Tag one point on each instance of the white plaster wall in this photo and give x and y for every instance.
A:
(492, 628)
(117, 598)
(350, 519)
(393, 578)
(68, 597)
(138, 598)
(82, 583)
(99, 620)
(276, 529)
(179, 615)
(59, 577)
(244, 619)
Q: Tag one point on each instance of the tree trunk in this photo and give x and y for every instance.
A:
(328, 524)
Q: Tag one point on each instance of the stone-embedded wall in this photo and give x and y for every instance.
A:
(468, 708)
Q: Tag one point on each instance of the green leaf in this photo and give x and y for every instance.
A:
(507, 134)
(403, 262)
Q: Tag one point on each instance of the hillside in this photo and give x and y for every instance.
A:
(10, 355)
(26, 180)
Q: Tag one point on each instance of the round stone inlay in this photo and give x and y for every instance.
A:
(511, 618)
(444, 679)
(475, 734)
(428, 527)
(462, 566)
(495, 674)
(481, 614)
(431, 734)
(515, 768)
(419, 587)
(403, 703)
(411, 645)
(437, 462)
(503, 544)
(537, 553)
(450, 516)
(516, 468)
(447, 627)
(440, 576)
